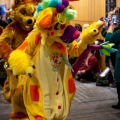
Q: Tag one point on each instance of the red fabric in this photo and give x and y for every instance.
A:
(34, 93)
(92, 65)
(37, 117)
(38, 37)
(71, 85)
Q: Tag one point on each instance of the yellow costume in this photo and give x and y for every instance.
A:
(49, 85)
(12, 36)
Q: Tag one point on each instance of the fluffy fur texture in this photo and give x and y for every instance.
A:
(67, 14)
(46, 46)
(5, 50)
(12, 36)
(50, 89)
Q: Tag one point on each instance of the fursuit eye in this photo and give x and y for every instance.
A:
(23, 12)
(32, 13)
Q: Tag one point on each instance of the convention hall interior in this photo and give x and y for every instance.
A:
(72, 80)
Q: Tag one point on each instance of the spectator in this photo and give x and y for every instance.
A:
(114, 37)
(112, 57)
(89, 70)
(85, 26)
(79, 28)
(8, 13)
(3, 74)
(117, 27)
(2, 22)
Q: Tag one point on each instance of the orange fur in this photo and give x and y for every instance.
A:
(5, 49)
(23, 46)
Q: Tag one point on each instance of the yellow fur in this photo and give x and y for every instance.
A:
(49, 92)
(14, 63)
(87, 37)
(90, 34)
(14, 34)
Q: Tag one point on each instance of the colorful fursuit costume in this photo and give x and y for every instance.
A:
(41, 62)
(11, 37)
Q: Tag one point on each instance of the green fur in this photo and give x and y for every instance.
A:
(45, 4)
(70, 14)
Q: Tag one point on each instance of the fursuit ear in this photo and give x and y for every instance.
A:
(16, 2)
(46, 18)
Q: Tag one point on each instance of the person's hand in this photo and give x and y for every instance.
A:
(111, 27)
(82, 71)
(105, 23)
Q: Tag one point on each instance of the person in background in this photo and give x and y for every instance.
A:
(116, 27)
(89, 71)
(2, 22)
(85, 26)
(8, 13)
(79, 28)
(112, 56)
(113, 36)
(3, 74)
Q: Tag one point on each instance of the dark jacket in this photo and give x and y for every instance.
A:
(115, 38)
(3, 23)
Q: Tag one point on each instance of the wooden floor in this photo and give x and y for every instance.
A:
(90, 103)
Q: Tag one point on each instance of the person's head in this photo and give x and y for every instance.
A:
(23, 13)
(85, 26)
(116, 11)
(78, 27)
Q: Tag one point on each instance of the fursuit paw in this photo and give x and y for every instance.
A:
(21, 63)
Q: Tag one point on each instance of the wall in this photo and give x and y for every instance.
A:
(89, 10)
(7, 2)
(118, 3)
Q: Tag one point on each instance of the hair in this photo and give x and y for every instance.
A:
(78, 27)
(85, 26)
(0, 11)
(116, 11)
